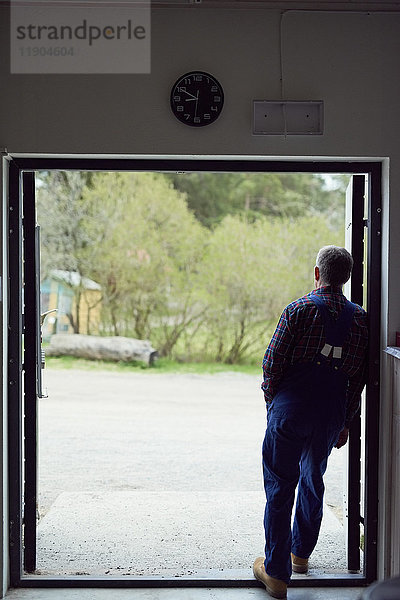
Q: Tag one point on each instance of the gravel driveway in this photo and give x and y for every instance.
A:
(138, 471)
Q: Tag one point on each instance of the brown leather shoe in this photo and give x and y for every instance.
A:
(299, 565)
(275, 587)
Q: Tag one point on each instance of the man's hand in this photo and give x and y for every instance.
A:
(343, 437)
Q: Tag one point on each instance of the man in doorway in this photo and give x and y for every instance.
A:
(314, 371)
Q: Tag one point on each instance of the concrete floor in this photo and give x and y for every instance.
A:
(182, 594)
(166, 534)
(148, 424)
(134, 468)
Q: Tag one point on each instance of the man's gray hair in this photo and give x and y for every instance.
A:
(335, 265)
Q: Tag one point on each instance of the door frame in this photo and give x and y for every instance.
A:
(20, 165)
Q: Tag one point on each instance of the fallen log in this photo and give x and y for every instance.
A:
(94, 347)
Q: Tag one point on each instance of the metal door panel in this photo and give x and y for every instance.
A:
(355, 202)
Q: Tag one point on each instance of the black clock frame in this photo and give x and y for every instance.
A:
(210, 102)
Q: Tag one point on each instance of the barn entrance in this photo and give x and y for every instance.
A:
(363, 239)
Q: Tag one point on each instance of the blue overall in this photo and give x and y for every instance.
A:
(304, 421)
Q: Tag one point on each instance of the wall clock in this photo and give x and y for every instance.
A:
(197, 99)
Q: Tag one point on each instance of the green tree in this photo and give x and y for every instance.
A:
(212, 196)
(250, 271)
(165, 276)
(146, 257)
(237, 298)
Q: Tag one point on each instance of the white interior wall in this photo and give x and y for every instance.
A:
(349, 60)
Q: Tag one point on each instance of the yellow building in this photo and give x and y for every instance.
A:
(77, 300)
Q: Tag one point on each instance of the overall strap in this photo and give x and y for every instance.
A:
(335, 330)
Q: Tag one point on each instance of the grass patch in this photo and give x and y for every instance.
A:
(162, 365)
(165, 365)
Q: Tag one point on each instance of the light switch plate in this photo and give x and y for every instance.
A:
(287, 117)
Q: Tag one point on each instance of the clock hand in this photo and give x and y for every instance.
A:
(197, 102)
(189, 94)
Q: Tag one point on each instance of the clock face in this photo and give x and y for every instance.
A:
(197, 99)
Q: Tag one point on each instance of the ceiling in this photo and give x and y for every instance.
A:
(343, 5)
(316, 5)
(366, 6)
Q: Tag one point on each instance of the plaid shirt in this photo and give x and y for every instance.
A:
(299, 337)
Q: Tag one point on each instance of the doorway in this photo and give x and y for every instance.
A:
(23, 504)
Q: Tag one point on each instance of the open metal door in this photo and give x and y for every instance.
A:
(24, 369)
(355, 230)
(32, 367)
